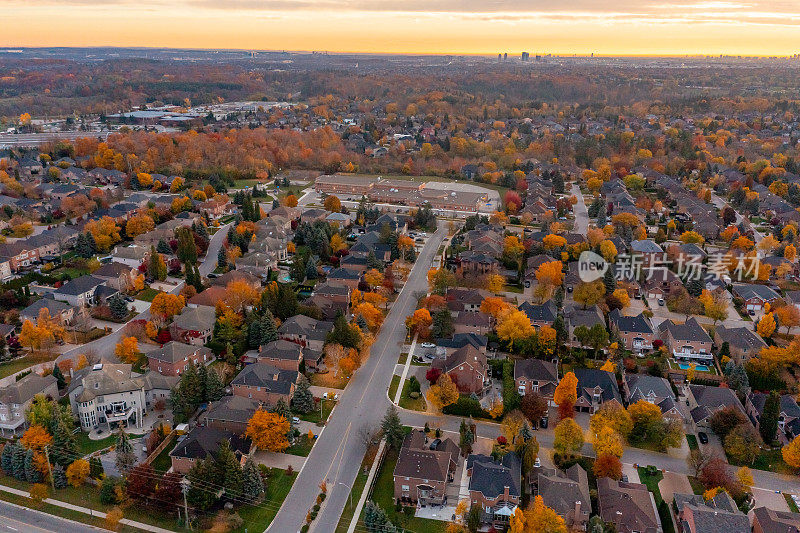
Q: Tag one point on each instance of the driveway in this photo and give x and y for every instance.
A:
(580, 211)
(770, 499)
(674, 483)
(280, 460)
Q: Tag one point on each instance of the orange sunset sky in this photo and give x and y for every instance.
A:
(618, 27)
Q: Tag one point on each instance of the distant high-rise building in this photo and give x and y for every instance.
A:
(505, 56)
(499, 57)
(525, 56)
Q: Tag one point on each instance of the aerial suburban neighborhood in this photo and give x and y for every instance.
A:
(417, 302)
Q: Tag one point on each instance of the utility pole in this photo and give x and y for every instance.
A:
(49, 468)
(185, 490)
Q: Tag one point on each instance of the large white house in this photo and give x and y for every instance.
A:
(112, 395)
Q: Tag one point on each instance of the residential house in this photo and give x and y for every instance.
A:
(117, 275)
(540, 315)
(445, 347)
(660, 283)
(173, 358)
(202, 442)
(647, 253)
(466, 300)
(755, 296)
(343, 276)
(536, 375)
(282, 354)
(703, 401)
(16, 398)
(567, 493)
(767, 520)
(595, 388)
(208, 298)
(687, 341)
(230, 413)
(477, 264)
(19, 254)
(635, 332)
(468, 369)
(472, 322)
(305, 331)
(265, 383)
(652, 389)
(495, 487)
(79, 292)
(788, 418)
(630, 507)
(424, 470)
(60, 311)
(742, 342)
(195, 325)
(133, 255)
(112, 395)
(720, 513)
(576, 317)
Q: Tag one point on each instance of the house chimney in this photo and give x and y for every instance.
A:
(577, 511)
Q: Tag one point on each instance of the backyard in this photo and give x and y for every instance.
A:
(650, 476)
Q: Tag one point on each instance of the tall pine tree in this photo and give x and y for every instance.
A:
(252, 484)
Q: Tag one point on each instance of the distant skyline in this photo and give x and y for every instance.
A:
(622, 27)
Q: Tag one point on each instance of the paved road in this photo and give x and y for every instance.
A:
(104, 346)
(23, 520)
(720, 204)
(580, 211)
(337, 455)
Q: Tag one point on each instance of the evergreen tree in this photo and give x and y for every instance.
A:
(252, 484)
(59, 477)
(392, 428)
(180, 410)
(202, 376)
(201, 230)
(124, 450)
(32, 474)
(442, 324)
(65, 448)
(222, 258)
(163, 247)
(191, 386)
(230, 468)
(374, 262)
(187, 249)
(311, 268)
(768, 424)
(254, 334)
(60, 380)
(6, 458)
(303, 399)
(375, 519)
(282, 409)
(269, 332)
(344, 334)
(610, 279)
(602, 215)
(119, 308)
(108, 490)
(198, 279)
(215, 389)
(361, 322)
(18, 462)
(95, 468)
(695, 287)
(202, 474)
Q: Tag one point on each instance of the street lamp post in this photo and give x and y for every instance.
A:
(351, 492)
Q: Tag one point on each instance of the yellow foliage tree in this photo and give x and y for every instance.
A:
(791, 453)
(166, 305)
(127, 350)
(766, 326)
(608, 442)
(268, 431)
(566, 392)
(608, 250)
(77, 472)
(443, 393)
(568, 436)
(105, 232)
(514, 325)
(139, 225)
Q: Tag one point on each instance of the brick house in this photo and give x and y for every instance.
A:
(540, 315)
(424, 470)
(788, 417)
(201, 442)
(635, 332)
(742, 342)
(495, 487)
(629, 506)
(173, 358)
(595, 388)
(536, 375)
(265, 383)
(195, 325)
(687, 341)
(755, 296)
(769, 521)
(653, 389)
(230, 413)
(282, 354)
(468, 369)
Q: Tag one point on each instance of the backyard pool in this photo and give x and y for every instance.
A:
(699, 368)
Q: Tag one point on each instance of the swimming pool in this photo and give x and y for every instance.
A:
(686, 366)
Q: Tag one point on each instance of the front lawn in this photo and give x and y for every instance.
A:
(314, 417)
(328, 380)
(407, 402)
(770, 460)
(383, 495)
(87, 446)
(147, 294)
(17, 365)
(692, 441)
(301, 447)
(258, 517)
(393, 386)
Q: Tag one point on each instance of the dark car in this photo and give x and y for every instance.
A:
(543, 423)
(702, 437)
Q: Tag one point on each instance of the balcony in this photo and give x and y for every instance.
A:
(688, 353)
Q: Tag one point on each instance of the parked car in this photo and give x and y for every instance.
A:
(661, 302)
(295, 420)
(543, 423)
(702, 437)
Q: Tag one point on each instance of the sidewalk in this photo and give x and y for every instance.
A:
(84, 510)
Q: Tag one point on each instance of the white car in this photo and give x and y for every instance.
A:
(296, 420)
(428, 345)
(537, 463)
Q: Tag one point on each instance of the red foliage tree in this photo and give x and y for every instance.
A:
(432, 375)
